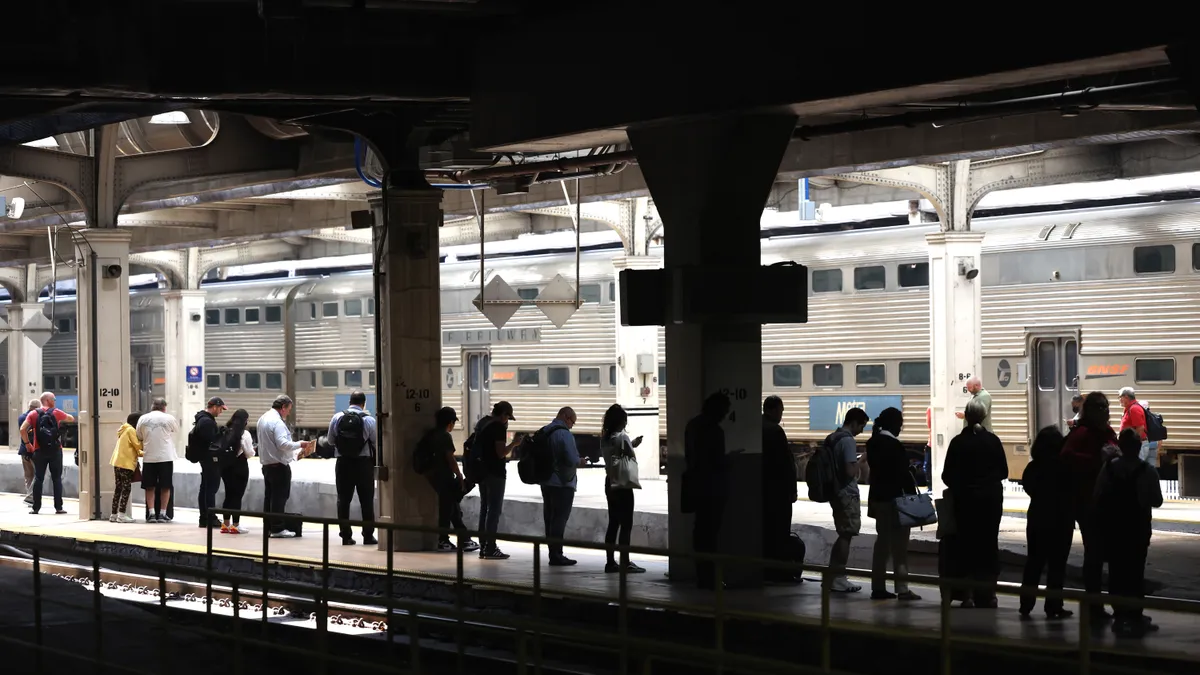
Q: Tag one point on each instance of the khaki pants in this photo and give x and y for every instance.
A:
(891, 541)
(27, 467)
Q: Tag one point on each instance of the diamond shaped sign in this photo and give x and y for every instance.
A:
(498, 289)
(4, 329)
(561, 295)
(38, 329)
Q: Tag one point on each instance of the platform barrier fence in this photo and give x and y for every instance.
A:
(407, 619)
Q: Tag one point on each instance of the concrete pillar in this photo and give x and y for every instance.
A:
(709, 180)
(183, 330)
(24, 367)
(955, 343)
(637, 375)
(105, 392)
(410, 349)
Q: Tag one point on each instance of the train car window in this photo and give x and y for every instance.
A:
(1196, 370)
(1153, 259)
(827, 375)
(558, 376)
(870, 374)
(274, 314)
(233, 381)
(253, 380)
(212, 317)
(1071, 364)
(528, 295)
(312, 310)
(48, 382)
(370, 306)
(274, 381)
(612, 291)
(1047, 365)
(612, 376)
(1196, 256)
(64, 383)
(785, 376)
(233, 316)
(353, 378)
(1154, 370)
(329, 310)
(312, 380)
(914, 373)
(214, 381)
(252, 314)
(911, 275)
(870, 278)
(3, 383)
(827, 281)
(662, 375)
(329, 378)
(64, 325)
(589, 377)
(371, 379)
(528, 377)
(353, 307)
(589, 293)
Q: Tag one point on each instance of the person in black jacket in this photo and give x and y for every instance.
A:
(706, 478)
(778, 491)
(207, 430)
(890, 478)
(1050, 523)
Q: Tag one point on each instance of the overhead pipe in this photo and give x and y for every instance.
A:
(564, 165)
(1019, 106)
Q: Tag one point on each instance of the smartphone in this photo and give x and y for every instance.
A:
(637, 441)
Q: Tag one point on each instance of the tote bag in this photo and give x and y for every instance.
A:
(626, 470)
(915, 510)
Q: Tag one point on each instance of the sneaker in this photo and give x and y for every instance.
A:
(494, 554)
(844, 585)
(60, 512)
(283, 534)
(347, 541)
(562, 561)
(908, 596)
(224, 529)
(33, 512)
(630, 568)
(238, 529)
(447, 547)
(112, 518)
(1057, 614)
(471, 546)
(370, 541)
(166, 519)
(122, 518)
(29, 500)
(150, 519)
(883, 595)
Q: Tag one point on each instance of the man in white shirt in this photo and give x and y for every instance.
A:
(156, 430)
(277, 451)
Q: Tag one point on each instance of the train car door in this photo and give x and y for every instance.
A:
(478, 376)
(1055, 380)
(143, 380)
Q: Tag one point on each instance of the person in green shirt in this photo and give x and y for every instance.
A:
(975, 387)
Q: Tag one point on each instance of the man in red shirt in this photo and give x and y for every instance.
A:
(46, 444)
(1134, 418)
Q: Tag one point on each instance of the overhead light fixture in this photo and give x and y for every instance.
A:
(173, 117)
(47, 142)
(12, 208)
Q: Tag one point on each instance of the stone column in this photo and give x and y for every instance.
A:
(183, 333)
(955, 342)
(24, 367)
(105, 389)
(411, 352)
(637, 375)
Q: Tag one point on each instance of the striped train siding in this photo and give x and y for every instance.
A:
(17, 405)
(254, 348)
(345, 343)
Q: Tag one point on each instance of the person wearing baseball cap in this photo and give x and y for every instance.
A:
(204, 434)
(436, 449)
(490, 444)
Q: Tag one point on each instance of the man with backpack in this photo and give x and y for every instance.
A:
(203, 448)
(434, 459)
(1148, 426)
(41, 434)
(835, 467)
(486, 460)
(352, 432)
(558, 490)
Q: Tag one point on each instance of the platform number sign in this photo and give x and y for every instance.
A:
(195, 374)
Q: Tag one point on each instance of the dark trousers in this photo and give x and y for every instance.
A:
(52, 460)
(1049, 544)
(1093, 552)
(277, 487)
(620, 520)
(777, 534)
(976, 545)
(1127, 574)
(491, 504)
(556, 510)
(210, 482)
(235, 476)
(355, 474)
(706, 534)
(450, 495)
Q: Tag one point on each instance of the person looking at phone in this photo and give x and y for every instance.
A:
(615, 445)
(493, 456)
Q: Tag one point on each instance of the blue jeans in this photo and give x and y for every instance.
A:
(491, 504)
(1149, 453)
(556, 510)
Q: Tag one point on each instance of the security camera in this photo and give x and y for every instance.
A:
(966, 268)
(195, 317)
(12, 208)
(111, 271)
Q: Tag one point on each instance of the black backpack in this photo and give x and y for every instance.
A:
(47, 433)
(472, 456)
(225, 448)
(536, 464)
(822, 472)
(196, 449)
(350, 438)
(1155, 429)
(424, 454)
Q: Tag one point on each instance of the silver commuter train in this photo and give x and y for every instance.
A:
(1084, 299)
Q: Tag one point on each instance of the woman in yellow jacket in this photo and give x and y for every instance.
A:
(125, 462)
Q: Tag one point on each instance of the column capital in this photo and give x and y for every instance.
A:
(107, 235)
(184, 293)
(954, 237)
(637, 262)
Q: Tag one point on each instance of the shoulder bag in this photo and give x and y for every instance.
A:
(915, 510)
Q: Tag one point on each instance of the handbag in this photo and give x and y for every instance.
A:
(137, 473)
(947, 525)
(627, 473)
(915, 510)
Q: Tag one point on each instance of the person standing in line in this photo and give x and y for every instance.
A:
(1050, 525)
(707, 481)
(890, 479)
(277, 451)
(491, 452)
(40, 431)
(614, 445)
(975, 388)
(779, 491)
(1134, 418)
(156, 430)
(1076, 410)
(927, 456)
(236, 474)
(558, 491)
(846, 502)
(353, 432)
(124, 462)
(26, 454)
(446, 479)
(206, 434)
